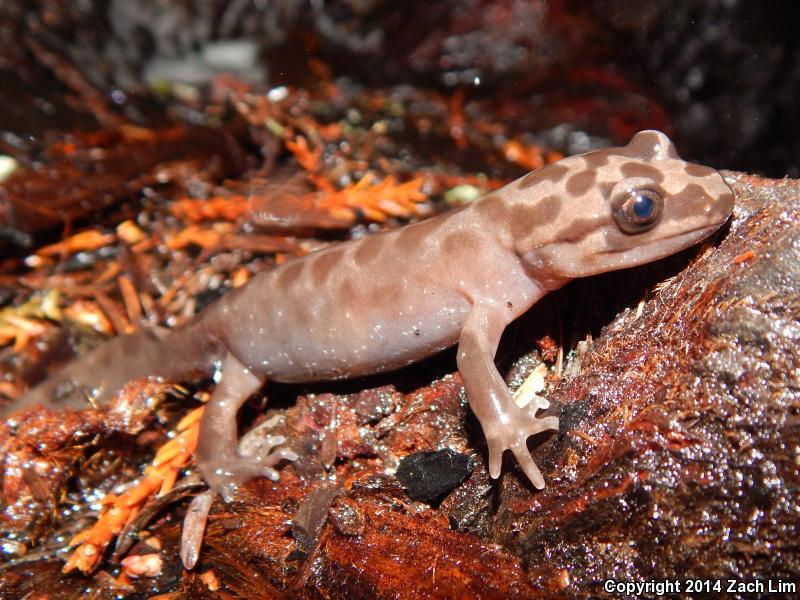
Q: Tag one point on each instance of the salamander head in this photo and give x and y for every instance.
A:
(621, 207)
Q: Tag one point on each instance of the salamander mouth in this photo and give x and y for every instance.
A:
(697, 234)
(675, 242)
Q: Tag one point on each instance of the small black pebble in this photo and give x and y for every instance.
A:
(430, 476)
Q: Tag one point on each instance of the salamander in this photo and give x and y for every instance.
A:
(388, 300)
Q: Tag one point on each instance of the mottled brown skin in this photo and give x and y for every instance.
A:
(388, 300)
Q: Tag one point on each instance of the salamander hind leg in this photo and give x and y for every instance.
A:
(219, 460)
(505, 425)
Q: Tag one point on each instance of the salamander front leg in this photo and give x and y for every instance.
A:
(505, 425)
(218, 459)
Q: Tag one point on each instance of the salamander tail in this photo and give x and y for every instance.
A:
(99, 375)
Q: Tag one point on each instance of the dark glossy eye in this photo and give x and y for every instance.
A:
(638, 210)
(643, 206)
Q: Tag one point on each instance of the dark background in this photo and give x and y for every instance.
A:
(721, 76)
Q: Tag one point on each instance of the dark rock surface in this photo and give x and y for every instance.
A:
(680, 450)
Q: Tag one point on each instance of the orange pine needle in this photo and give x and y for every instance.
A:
(205, 238)
(376, 201)
(308, 159)
(86, 240)
(190, 419)
(130, 298)
(119, 511)
(529, 157)
(170, 477)
(457, 119)
(218, 208)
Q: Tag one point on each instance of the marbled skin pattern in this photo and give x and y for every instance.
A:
(391, 299)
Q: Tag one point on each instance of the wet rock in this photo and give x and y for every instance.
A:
(679, 459)
(430, 476)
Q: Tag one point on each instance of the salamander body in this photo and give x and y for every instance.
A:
(388, 300)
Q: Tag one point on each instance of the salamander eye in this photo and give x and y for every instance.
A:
(638, 210)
